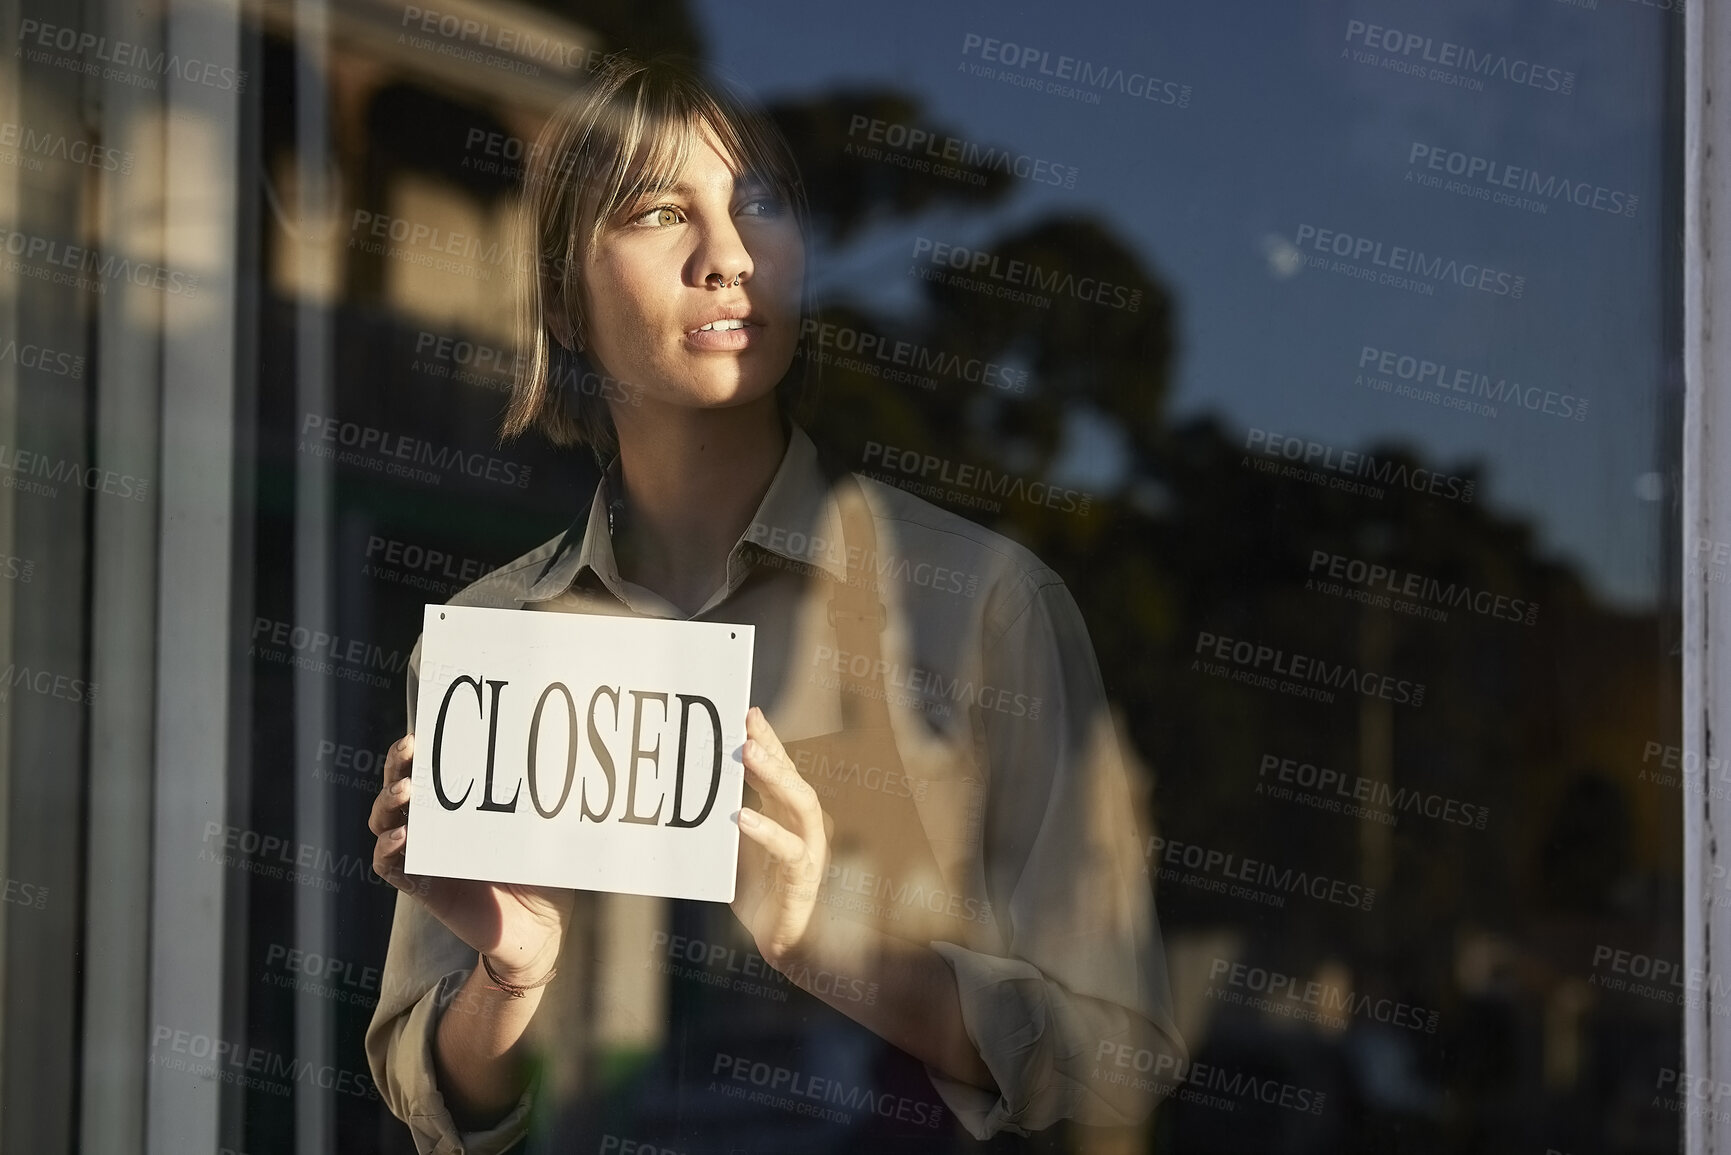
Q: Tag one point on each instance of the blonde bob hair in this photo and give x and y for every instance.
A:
(628, 131)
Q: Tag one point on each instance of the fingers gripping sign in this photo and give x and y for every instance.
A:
(389, 818)
(784, 852)
(519, 927)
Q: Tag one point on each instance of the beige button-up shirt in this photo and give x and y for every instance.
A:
(986, 665)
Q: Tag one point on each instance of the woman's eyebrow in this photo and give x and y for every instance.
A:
(664, 186)
(745, 183)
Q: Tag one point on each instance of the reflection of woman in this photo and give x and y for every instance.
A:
(937, 852)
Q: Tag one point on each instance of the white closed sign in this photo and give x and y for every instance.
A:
(576, 750)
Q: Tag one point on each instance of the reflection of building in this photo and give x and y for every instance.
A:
(189, 366)
(408, 232)
(431, 118)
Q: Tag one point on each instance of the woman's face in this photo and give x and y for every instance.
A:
(663, 311)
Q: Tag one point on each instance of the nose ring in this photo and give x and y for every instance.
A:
(717, 281)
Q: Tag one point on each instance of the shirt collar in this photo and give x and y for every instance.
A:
(797, 520)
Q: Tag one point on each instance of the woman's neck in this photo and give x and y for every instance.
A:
(692, 480)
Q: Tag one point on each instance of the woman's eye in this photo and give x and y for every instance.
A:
(661, 216)
(764, 206)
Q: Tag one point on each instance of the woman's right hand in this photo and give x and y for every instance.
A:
(518, 928)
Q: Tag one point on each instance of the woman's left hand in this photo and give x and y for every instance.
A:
(785, 852)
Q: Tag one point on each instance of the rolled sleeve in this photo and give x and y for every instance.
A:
(418, 986)
(414, 1094)
(1044, 1047)
(1006, 1013)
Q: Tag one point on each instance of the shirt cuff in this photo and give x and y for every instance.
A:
(1039, 1042)
(1006, 1012)
(425, 1112)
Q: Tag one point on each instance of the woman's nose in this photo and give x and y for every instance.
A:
(721, 260)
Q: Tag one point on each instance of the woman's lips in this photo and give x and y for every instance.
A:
(725, 340)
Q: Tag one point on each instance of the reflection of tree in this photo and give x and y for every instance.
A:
(849, 192)
(1189, 537)
(648, 28)
(1512, 709)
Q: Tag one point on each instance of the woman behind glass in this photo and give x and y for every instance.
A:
(942, 912)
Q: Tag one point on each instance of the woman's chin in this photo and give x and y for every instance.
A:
(715, 395)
